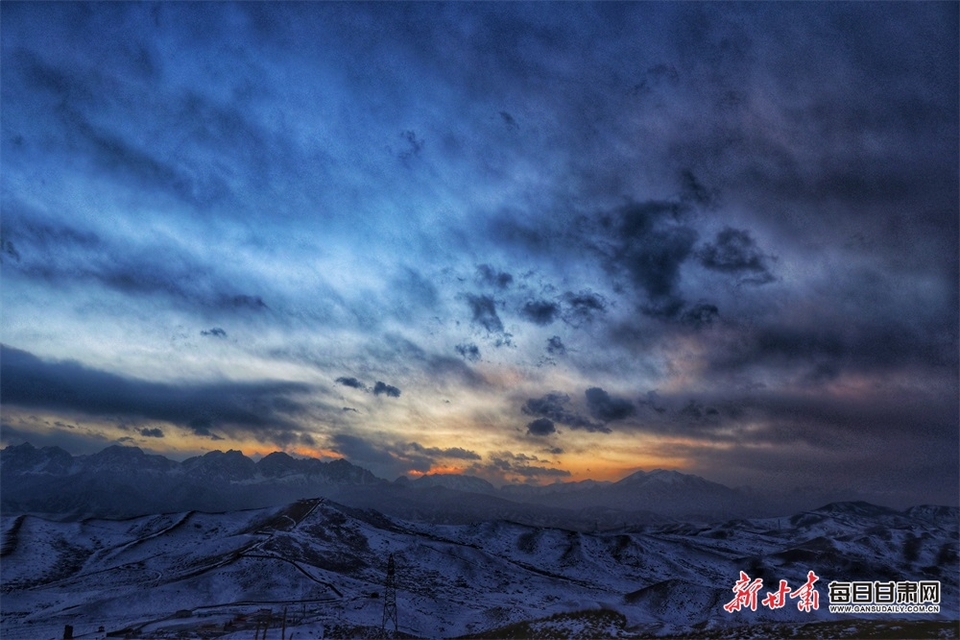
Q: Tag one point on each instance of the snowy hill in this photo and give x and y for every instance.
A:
(323, 565)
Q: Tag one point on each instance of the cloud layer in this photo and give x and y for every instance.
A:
(724, 237)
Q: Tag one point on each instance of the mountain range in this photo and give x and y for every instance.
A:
(135, 545)
(124, 481)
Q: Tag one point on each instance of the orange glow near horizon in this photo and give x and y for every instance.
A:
(623, 459)
(435, 469)
(197, 445)
(621, 454)
(301, 451)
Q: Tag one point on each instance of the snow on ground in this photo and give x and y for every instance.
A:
(321, 567)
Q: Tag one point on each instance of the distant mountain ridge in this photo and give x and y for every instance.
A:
(124, 481)
(455, 481)
(666, 492)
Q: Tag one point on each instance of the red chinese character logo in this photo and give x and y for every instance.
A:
(808, 597)
(776, 599)
(746, 591)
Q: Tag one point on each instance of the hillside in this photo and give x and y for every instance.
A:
(324, 564)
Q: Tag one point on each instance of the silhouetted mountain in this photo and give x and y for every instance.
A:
(659, 491)
(25, 458)
(124, 481)
(118, 458)
(668, 493)
(471, 484)
(219, 465)
(525, 492)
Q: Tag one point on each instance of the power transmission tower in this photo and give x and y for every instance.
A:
(390, 599)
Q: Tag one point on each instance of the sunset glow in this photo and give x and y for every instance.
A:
(522, 244)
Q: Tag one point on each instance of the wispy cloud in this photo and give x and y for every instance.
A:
(516, 229)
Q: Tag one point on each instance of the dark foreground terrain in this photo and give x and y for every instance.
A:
(317, 569)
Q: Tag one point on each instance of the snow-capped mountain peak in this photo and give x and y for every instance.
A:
(459, 482)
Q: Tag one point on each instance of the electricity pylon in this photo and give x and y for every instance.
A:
(390, 600)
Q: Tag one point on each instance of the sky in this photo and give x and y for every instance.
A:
(529, 242)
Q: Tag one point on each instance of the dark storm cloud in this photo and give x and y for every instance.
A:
(863, 345)
(607, 408)
(202, 426)
(653, 401)
(518, 464)
(692, 191)
(504, 340)
(653, 244)
(414, 145)
(830, 424)
(351, 382)
(555, 346)
(489, 276)
(583, 307)
(484, 310)
(901, 412)
(700, 315)
(151, 433)
(553, 406)
(393, 459)
(7, 249)
(695, 411)
(59, 253)
(541, 312)
(468, 351)
(379, 388)
(28, 381)
(509, 120)
(360, 451)
(541, 427)
(457, 453)
(385, 389)
(865, 146)
(734, 251)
